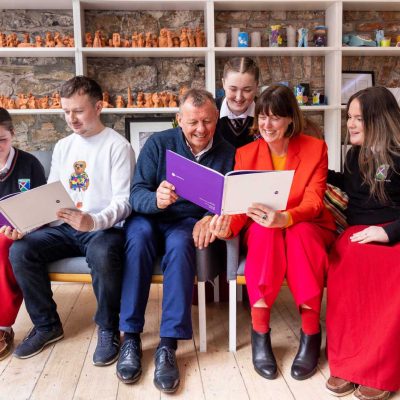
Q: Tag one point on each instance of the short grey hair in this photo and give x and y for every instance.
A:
(198, 97)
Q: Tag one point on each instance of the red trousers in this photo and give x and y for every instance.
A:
(299, 252)
(10, 293)
(363, 312)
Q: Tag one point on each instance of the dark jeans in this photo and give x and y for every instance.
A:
(145, 239)
(104, 252)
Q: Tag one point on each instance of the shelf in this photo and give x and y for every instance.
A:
(36, 5)
(144, 51)
(263, 5)
(318, 108)
(163, 110)
(148, 5)
(272, 51)
(371, 51)
(368, 5)
(37, 52)
(153, 110)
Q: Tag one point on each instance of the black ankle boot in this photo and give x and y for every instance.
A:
(263, 358)
(306, 360)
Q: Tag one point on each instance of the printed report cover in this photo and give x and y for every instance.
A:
(36, 207)
(230, 194)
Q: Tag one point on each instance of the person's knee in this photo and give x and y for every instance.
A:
(105, 257)
(139, 231)
(19, 251)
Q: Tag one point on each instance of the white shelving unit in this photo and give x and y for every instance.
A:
(333, 53)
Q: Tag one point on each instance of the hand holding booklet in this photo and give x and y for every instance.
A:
(36, 207)
(230, 194)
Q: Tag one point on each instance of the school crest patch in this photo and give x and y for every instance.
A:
(24, 185)
(382, 172)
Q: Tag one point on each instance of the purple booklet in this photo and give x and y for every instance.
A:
(3, 218)
(232, 193)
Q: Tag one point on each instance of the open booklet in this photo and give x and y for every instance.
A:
(230, 194)
(36, 207)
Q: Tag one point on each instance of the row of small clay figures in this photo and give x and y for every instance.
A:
(143, 100)
(167, 38)
(23, 102)
(11, 40)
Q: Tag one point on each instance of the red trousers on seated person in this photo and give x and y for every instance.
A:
(298, 252)
(10, 293)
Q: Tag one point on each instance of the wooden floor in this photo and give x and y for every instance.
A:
(65, 371)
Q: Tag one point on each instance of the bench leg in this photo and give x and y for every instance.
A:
(216, 289)
(232, 315)
(239, 292)
(201, 290)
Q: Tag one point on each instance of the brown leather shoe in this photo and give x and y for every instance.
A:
(339, 387)
(368, 393)
(6, 343)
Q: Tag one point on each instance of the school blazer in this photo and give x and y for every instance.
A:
(306, 155)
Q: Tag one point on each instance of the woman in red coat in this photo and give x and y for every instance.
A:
(291, 243)
(363, 311)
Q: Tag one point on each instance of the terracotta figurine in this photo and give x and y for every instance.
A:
(192, 41)
(49, 40)
(97, 39)
(155, 98)
(44, 102)
(106, 100)
(32, 104)
(170, 42)
(116, 40)
(172, 101)
(11, 104)
(119, 102)
(56, 100)
(22, 101)
(38, 41)
(184, 40)
(26, 42)
(162, 40)
(3, 40)
(140, 40)
(154, 41)
(140, 100)
(89, 39)
(175, 41)
(59, 41)
(199, 37)
(164, 99)
(148, 39)
(135, 39)
(148, 103)
(126, 42)
(130, 103)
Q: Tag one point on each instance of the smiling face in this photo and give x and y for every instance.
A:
(240, 90)
(273, 128)
(82, 115)
(355, 123)
(198, 123)
(5, 144)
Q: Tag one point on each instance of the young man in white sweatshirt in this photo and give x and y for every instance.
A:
(95, 165)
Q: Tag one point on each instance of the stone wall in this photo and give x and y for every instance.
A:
(42, 76)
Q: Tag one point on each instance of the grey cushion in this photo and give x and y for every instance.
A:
(45, 159)
(78, 265)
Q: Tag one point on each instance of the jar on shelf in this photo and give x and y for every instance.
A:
(291, 36)
(275, 36)
(320, 36)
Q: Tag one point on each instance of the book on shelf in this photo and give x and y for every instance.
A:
(232, 193)
(29, 210)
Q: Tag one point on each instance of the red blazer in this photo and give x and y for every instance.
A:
(308, 157)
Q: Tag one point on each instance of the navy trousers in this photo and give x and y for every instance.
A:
(104, 251)
(146, 238)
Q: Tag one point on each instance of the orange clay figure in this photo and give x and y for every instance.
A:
(116, 40)
(162, 40)
(56, 100)
(38, 41)
(155, 98)
(148, 103)
(49, 40)
(199, 37)
(175, 41)
(140, 100)
(140, 40)
(148, 39)
(97, 39)
(164, 99)
(3, 40)
(135, 39)
(192, 42)
(44, 102)
(184, 41)
(32, 104)
(58, 40)
(172, 101)
(130, 98)
(26, 42)
(119, 102)
(11, 104)
(106, 100)
(170, 42)
(89, 39)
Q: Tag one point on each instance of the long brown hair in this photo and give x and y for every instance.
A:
(381, 121)
(279, 100)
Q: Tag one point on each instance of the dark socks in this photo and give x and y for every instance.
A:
(169, 342)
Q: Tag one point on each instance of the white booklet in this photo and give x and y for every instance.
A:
(36, 207)
(230, 194)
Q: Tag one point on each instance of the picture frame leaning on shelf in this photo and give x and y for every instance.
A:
(138, 130)
(354, 81)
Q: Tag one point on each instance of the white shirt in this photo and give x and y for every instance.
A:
(8, 163)
(226, 112)
(102, 185)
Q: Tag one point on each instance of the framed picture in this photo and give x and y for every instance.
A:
(353, 81)
(138, 130)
